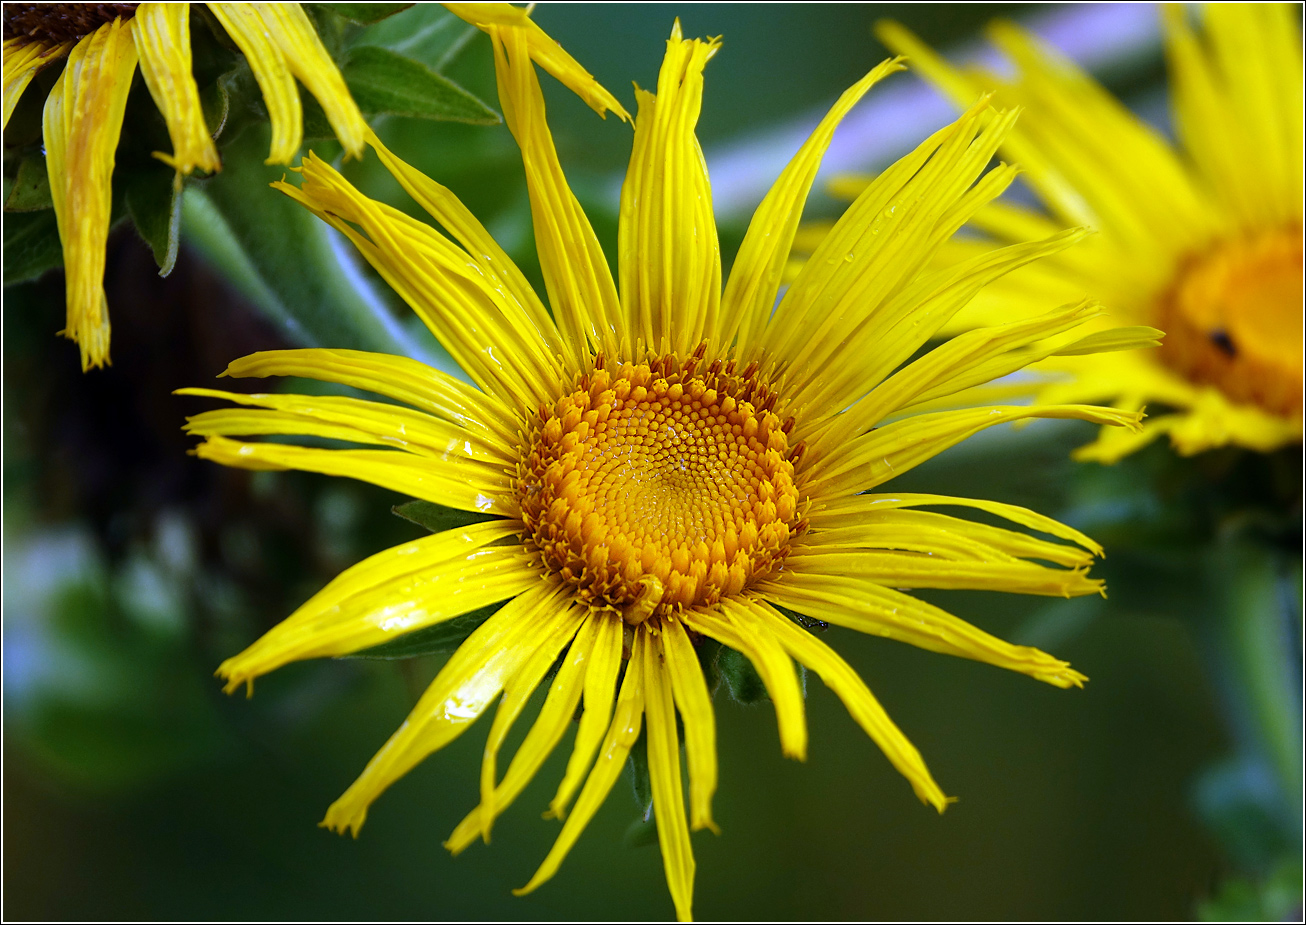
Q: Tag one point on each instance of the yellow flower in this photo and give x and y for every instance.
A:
(1203, 241)
(662, 457)
(84, 112)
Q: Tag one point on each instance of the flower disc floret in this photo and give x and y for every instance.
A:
(1234, 320)
(650, 488)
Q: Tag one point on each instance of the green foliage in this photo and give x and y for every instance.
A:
(745, 684)
(383, 82)
(436, 517)
(31, 245)
(1277, 898)
(153, 199)
(30, 189)
(361, 13)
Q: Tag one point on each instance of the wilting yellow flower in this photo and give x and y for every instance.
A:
(664, 458)
(1204, 241)
(84, 112)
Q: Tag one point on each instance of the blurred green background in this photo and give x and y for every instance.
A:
(135, 789)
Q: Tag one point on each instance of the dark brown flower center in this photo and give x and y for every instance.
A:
(56, 23)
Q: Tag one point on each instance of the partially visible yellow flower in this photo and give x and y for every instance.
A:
(84, 112)
(1204, 241)
(665, 457)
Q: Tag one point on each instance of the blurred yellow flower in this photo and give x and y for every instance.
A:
(84, 112)
(1203, 241)
(662, 457)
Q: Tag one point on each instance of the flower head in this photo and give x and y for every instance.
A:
(103, 43)
(1203, 241)
(662, 458)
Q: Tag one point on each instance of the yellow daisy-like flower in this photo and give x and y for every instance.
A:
(103, 43)
(662, 457)
(1203, 241)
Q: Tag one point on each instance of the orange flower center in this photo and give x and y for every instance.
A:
(651, 488)
(60, 22)
(1233, 320)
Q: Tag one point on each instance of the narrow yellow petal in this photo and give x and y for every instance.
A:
(853, 508)
(22, 59)
(482, 325)
(467, 230)
(860, 603)
(695, 704)
(669, 256)
(543, 50)
(516, 693)
(734, 626)
(464, 487)
(600, 689)
(756, 275)
(397, 377)
(465, 687)
(162, 35)
(83, 119)
(555, 717)
(627, 718)
(351, 419)
(391, 593)
(891, 450)
(281, 44)
(576, 273)
(923, 570)
(664, 775)
(839, 676)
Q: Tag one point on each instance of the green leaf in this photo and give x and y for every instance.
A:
(432, 640)
(294, 268)
(745, 684)
(640, 782)
(31, 245)
(153, 198)
(362, 13)
(31, 187)
(436, 517)
(383, 82)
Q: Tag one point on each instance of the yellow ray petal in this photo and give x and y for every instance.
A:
(664, 775)
(466, 488)
(481, 325)
(878, 244)
(627, 718)
(839, 676)
(733, 626)
(467, 230)
(516, 693)
(281, 44)
(756, 275)
(22, 59)
(396, 591)
(852, 508)
(949, 537)
(895, 448)
(555, 716)
(544, 51)
(83, 118)
(923, 570)
(465, 687)
(397, 377)
(861, 604)
(695, 705)
(670, 260)
(350, 419)
(600, 690)
(576, 273)
(162, 35)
